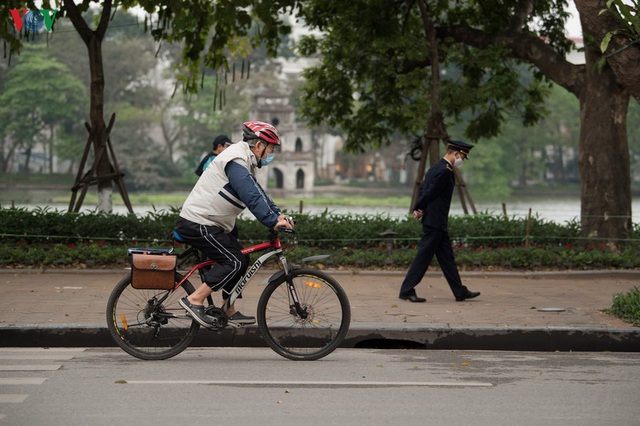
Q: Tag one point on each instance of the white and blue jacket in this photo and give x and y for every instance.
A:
(225, 188)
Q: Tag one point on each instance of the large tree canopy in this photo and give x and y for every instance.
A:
(213, 33)
(216, 34)
(604, 151)
(373, 80)
(39, 99)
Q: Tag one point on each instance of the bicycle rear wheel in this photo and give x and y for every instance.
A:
(317, 333)
(150, 324)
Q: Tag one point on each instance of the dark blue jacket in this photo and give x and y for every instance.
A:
(435, 195)
(246, 188)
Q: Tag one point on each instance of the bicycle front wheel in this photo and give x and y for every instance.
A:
(313, 331)
(150, 324)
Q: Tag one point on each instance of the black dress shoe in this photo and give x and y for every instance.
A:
(413, 298)
(467, 295)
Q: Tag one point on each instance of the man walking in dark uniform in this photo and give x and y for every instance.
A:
(432, 207)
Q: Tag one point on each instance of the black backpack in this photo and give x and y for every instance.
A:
(199, 170)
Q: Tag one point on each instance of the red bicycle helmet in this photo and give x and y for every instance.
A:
(260, 130)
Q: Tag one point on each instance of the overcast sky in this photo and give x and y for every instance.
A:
(573, 24)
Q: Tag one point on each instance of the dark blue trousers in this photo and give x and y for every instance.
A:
(216, 245)
(438, 243)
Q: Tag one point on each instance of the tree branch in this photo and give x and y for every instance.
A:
(104, 19)
(81, 25)
(526, 48)
(520, 16)
(76, 19)
(626, 63)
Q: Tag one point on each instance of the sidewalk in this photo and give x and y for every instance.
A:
(516, 311)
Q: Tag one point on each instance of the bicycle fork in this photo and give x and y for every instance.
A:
(294, 302)
(295, 307)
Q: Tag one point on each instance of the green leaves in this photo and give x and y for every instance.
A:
(39, 99)
(604, 44)
(374, 81)
(626, 12)
(627, 15)
(214, 33)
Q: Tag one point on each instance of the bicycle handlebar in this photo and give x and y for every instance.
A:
(291, 233)
(286, 230)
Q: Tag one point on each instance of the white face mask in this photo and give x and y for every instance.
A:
(458, 162)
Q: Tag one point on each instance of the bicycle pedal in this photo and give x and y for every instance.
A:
(234, 324)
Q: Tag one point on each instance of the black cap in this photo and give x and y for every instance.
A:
(221, 140)
(460, 146)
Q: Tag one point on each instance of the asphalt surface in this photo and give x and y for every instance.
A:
(532, 311)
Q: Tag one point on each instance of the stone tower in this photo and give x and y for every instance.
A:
(292, 172)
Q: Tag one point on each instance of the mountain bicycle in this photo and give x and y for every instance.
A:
(302, 314)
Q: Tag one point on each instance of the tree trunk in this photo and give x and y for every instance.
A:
(604, 156)
(559, 174)
(604, 151)
(6, 158)
(93, 41)
(27, 160)
(435, 130)
(52, 130)
(98, 125)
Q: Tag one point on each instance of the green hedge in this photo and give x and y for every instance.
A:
(94, 255)
(326, 230)
(48, 237)
(47, 225)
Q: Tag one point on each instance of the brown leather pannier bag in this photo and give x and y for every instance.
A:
(152, 271)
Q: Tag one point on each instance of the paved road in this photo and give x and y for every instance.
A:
(243, 386)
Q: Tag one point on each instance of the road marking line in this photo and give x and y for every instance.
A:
(22, 381)
(12, 398)
(38, 357)
(301, 383)
(51, 367)
(43, 349)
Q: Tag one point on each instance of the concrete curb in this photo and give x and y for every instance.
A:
(361, 335)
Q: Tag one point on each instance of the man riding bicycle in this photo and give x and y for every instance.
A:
(208, 217)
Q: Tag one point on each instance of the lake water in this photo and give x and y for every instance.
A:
(559, 211)
(554, 210)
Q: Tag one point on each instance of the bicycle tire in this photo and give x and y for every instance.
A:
(134, 328)
(321, 332)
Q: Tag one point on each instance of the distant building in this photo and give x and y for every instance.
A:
(292, 172)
